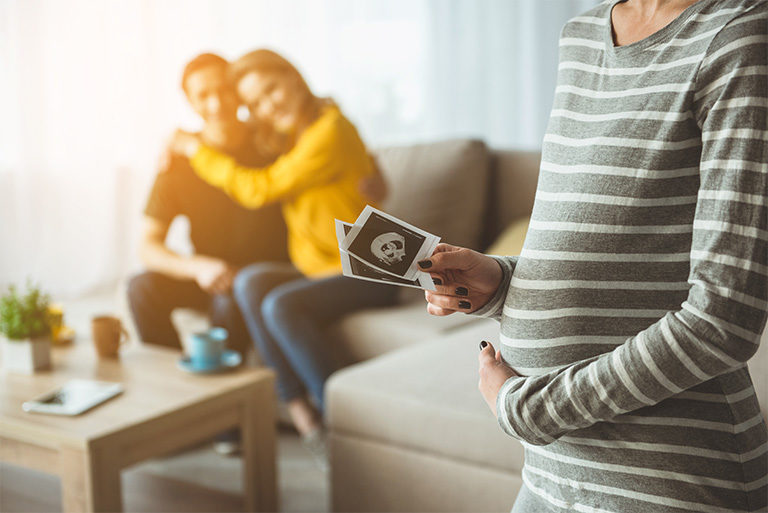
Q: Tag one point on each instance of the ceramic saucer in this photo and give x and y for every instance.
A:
(229, 360)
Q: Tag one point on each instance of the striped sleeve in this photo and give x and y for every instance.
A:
(717, 328)
(495, 307)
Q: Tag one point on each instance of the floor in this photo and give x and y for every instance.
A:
(196, 480)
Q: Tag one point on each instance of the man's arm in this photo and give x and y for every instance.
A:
(213, 275)
(156, 256)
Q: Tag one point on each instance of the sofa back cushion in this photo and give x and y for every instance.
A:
(512, 188)
(440, 187)
(758, 368)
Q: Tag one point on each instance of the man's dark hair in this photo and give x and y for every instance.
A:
(203, 60)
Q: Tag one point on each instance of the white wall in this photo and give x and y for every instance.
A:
(89, 91)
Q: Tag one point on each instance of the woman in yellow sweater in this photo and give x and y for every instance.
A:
(316, 178)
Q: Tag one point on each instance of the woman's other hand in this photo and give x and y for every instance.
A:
(465, 279)
(180, 145)
(493, 374)
(374, 187)
(184, 143)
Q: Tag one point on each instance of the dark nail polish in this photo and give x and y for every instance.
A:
(465, 305)
(437, 281)
(461, 291)
(425, 264)
(483, 345)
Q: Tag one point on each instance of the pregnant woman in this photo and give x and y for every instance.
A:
(642, 288)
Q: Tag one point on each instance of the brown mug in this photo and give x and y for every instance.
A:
(108, 334)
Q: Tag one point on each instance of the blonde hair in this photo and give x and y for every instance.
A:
(267, 61)
(264, 61)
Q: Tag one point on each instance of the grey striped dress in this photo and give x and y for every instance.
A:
(642, 288)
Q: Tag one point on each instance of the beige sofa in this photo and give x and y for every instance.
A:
(408, 429)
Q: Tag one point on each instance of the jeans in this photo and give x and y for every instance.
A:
(152, 297)
(287, 315)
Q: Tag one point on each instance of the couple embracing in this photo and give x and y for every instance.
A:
(261, 196)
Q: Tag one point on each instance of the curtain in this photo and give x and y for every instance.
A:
(89, 92)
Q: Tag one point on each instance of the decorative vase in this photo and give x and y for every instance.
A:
(26, 356)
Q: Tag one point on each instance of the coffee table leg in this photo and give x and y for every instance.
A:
(259, 440)
(89, 483)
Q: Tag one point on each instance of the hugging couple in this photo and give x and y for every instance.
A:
(260, 196)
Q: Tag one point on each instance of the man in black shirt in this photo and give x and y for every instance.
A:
(225, 235)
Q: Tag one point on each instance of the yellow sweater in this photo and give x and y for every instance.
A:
(316, 181)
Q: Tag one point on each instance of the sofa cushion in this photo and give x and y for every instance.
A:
(439, 187)
(512, 189)
(758, 369)
(425, 398)
(370, 476)
(370, 333)
(511, 240)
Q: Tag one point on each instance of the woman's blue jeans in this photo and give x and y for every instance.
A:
(287, 315)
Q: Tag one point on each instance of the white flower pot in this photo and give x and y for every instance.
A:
(27, 356)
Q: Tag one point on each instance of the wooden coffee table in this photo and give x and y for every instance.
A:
(163, 409)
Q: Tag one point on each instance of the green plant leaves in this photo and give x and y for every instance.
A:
(24, 315)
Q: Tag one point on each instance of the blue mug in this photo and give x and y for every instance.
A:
(206, 347)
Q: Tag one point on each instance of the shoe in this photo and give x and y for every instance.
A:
(227, 448)
(315, 443)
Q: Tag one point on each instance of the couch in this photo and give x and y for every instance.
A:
(408, 429)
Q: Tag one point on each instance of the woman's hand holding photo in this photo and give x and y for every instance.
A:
(465, 279)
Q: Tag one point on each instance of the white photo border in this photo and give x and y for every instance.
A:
(422, 281)
(425, 251)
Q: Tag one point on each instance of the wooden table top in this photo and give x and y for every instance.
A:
(154, 386)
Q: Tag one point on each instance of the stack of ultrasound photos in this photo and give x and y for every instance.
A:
(382, 248)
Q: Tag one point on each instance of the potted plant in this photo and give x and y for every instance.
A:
(25, 330)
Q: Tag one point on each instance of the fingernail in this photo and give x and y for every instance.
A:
(465, 305)
(483, 344)
(425, 264)
(437, 281)
(461, 291)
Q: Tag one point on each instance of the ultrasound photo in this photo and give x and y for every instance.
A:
(356, 268)
(388, 244)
